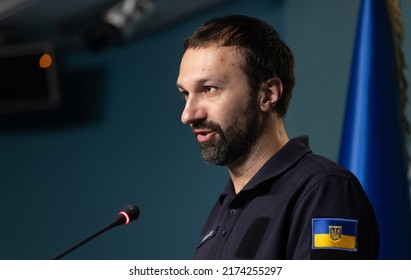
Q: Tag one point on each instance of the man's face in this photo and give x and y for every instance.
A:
(220, 107)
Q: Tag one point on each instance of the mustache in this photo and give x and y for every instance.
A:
(209, 125)
(206, 125)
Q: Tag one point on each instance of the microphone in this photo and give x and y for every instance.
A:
(127, 215)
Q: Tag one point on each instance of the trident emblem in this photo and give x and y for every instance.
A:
(335, 232)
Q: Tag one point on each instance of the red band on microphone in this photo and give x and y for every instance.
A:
(125, 215)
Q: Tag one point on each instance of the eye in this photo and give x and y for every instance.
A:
(209, 89)
(184, 94)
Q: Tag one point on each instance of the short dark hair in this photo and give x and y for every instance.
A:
(266, 55)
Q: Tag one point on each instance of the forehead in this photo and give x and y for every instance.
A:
(216, 61)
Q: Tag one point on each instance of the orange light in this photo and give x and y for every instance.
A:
(45, 61)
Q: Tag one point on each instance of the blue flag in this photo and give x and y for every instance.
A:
(373, 145)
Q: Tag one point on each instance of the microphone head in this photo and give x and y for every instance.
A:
(127, 215)
(131, 213)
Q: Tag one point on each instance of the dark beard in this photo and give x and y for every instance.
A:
(233, 142)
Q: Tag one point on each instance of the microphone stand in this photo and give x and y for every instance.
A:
(130, 213)
(107, 227)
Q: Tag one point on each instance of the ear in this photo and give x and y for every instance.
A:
(271, 94)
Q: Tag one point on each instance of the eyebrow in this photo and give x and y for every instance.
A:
(202, 81)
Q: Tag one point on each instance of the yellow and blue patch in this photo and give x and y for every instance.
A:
(334, 234)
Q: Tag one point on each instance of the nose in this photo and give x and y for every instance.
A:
(193, 111)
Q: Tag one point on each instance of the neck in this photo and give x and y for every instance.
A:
(273, 138)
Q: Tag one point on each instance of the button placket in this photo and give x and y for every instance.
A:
(231, 218)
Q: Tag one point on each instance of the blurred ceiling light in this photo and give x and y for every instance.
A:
(118, 23)
(7, 7)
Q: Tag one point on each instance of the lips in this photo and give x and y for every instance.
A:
(204, 135)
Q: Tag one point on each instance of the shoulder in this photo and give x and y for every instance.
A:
(297, 159)
(321, 180)
(317, 169)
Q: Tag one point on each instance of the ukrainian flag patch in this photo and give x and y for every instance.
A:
(334, 234)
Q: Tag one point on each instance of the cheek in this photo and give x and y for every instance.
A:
(232, 107)
(227, 109)
(233, 116)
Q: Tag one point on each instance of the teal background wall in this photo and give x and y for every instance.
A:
(121, 142)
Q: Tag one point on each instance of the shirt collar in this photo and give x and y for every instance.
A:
(290, 153)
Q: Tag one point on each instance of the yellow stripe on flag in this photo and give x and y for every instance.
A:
(324, 241)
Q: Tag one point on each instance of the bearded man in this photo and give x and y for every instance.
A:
(281, 201)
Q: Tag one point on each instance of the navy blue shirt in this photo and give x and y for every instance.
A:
(298, 206)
